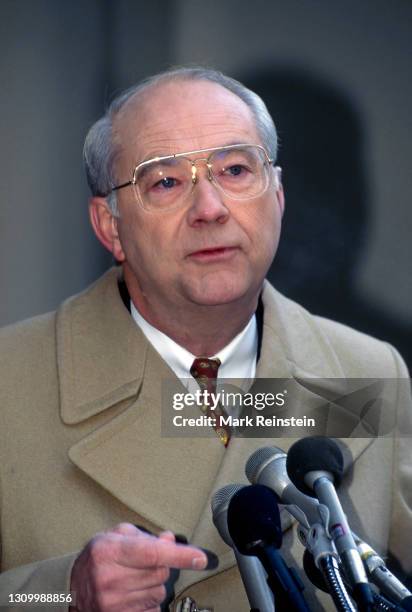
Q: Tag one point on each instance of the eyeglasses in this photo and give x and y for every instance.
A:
(240, 171)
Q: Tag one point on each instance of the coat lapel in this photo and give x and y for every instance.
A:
(100, 352)
(164, 480)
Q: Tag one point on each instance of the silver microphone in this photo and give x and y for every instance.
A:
(267, 466)
(251, 570)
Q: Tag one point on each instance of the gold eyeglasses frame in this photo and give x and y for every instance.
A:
(185, 155)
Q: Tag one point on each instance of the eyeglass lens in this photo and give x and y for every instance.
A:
(240, 173)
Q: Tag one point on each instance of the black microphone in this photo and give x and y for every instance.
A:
(314, 465)
(253, 575)
(254, 524)
(313, 572)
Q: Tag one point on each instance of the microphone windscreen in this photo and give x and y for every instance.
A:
(253, 519)
(313, 454)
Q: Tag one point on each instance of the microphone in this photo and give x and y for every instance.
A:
(313, 572)
(253, 575)
(267, 466)
(379, 574)
(254, 524)
(318, 579)
(327, 577)
(314, 465)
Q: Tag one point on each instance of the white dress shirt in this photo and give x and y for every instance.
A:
(238, 358)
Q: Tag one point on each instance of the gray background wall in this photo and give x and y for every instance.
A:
(61, 61)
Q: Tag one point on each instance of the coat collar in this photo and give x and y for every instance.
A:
(105, 361)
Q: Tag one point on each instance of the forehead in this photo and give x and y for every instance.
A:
(181, 116)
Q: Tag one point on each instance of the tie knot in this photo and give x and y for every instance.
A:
(204, 369)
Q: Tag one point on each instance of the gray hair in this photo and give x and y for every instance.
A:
(100, 150)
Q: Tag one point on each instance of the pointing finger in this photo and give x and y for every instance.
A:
(155, 552)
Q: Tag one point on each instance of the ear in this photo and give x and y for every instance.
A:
(104, 224)
(279, 189)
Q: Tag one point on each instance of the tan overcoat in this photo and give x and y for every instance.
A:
(81, 447)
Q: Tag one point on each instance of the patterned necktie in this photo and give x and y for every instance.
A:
(204, 371)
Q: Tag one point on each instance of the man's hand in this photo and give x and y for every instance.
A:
(125, 569)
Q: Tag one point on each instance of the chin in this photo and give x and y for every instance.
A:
(215, 291)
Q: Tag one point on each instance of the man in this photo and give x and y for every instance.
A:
(187, 198)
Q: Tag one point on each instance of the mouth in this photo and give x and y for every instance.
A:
(220, 253)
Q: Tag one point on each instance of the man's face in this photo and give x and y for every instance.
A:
(213, 249)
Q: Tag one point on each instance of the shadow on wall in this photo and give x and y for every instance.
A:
(326, 219)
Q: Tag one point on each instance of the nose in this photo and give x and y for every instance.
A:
(207, 201)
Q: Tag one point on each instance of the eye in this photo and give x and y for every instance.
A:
(166, 183)
(235, 170)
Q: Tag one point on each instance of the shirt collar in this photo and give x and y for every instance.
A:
(238, 358)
